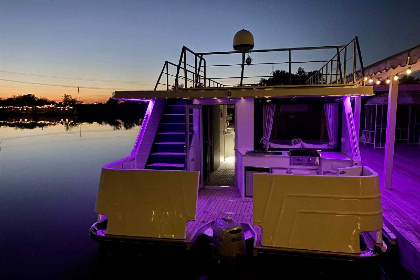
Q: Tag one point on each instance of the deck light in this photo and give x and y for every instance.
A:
(388, 81)
(408, 71)
(370, 81)
(365, 79)
(378, 82)
(395, 78)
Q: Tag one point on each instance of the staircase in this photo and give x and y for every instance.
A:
(168, 150)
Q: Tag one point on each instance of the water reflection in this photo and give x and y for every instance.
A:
(119, 115)
(32, 122)
(49, 175)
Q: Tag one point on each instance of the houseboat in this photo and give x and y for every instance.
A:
(272, 168)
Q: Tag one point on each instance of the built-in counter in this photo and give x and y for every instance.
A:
(278, 162)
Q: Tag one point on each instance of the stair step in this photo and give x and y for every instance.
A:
(175, 118)
(167, 154)
(165, 166)
(170, 114)
(174, 109)
(171, 136)
(169, 147)
(181, 102)
(166, 123)
(174, 133)
(169, 143)
(172, 127)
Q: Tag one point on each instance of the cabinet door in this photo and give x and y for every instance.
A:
(249, 178)
(301, 171)
(279, 171)
(249, 183)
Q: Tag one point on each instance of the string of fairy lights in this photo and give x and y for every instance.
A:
(370, 80)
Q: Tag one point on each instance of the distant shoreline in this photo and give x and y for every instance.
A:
(117, 114)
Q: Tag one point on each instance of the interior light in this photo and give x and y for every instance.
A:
(230, 159)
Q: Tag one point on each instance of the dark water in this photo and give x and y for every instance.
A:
(48, 183)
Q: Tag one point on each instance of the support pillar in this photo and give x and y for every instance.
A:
(390, 133)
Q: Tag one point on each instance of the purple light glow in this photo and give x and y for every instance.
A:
(134, 100)
(108, 165)
(209, 232)
(142, 128)
(248, 234)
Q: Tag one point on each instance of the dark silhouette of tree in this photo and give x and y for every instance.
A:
(68, 100)
(119, 114)
(179, 86)
(112, 102)
(281, 77)
(25, 100)
(409, 80)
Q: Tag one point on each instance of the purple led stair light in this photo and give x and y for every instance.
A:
(140, 136)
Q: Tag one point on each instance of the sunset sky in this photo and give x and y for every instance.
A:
(102, 46)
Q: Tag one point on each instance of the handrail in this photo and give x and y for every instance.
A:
(197, 74)
(319, 77)
(333, 71)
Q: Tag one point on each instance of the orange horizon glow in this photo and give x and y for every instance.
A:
(56, 94)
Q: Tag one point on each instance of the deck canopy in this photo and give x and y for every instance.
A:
(251, 92)
(390, 69)
(395, 64)
(404, 98)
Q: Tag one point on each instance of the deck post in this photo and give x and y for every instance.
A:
(290, 67)
(242, 68)
(390, 132)
(345, 65)
(167, 76)
(205, 72)
(185, 68)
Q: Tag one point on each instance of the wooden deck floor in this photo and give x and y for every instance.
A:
(214, 203)
(401, 204)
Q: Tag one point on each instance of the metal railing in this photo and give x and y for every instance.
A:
(195, 74)
(341, 69)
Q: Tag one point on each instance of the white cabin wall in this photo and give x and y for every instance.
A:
(244, 125)
(244, 138)
(195, 151)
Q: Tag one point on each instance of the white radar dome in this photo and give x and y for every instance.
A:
(243, 41)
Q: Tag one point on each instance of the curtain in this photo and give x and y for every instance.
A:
(268, 116)
(331, 111)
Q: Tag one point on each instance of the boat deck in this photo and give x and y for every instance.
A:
(401, 204)
(217, 202)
